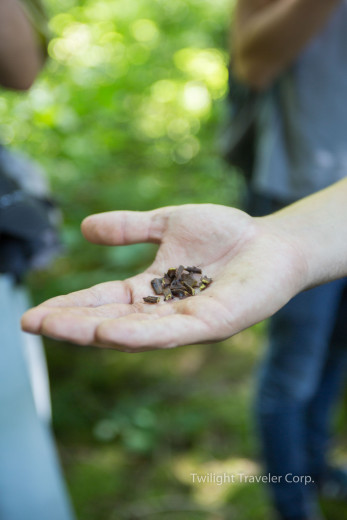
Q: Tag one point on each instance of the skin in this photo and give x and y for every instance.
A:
(219, 239)
(268, 35)
(20, 55)
(257, 266)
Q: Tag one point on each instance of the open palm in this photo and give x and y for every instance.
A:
(254, 273)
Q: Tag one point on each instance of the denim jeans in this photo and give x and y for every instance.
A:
(31, 482)
(299, 383)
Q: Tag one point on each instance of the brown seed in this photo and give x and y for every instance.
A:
(176, 284)
(179, 283)
(188, 288)
(206, 280)
(151, 299)
(179, 272)
(189, 279)
(194, 269)
(166, 280)
(167, 294)
(157, 285)
(180, 293)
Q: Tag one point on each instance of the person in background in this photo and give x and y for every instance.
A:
(288, 49)
(293, 52)
(31, 483)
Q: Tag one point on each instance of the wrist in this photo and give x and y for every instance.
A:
(290, 246)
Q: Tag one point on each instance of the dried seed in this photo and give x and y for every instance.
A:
(189, 279)
(193, 269)
(179, 272)
(180, 293)
(151, 299)
(157, 285)
(179, 283)
(166, 280)
(167, 293)
(188, 288)
(176, 284)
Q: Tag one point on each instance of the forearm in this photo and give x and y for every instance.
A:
(317, 226)
(267, 38)
(20, 54)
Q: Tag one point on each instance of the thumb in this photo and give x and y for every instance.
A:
(126, 227)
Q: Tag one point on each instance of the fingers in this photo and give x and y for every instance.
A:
(100, 294)
(150, 332)
(32, 320)
(80, 329)
(125, 227)
(131, 333)
(132, 328)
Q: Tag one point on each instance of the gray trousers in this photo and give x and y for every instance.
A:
(31, 482)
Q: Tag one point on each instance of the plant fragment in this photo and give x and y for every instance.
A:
(179, 282)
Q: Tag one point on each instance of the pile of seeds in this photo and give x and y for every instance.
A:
(178, 283)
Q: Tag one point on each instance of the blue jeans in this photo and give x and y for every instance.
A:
(31, 482)
(299, 383)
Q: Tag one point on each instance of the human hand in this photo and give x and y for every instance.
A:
(255, 270)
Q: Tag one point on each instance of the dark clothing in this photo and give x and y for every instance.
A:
(299, 383)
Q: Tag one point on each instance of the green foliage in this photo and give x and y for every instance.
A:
(132, 429)
(126, 116)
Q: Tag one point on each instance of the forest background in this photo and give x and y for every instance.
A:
(127, 114)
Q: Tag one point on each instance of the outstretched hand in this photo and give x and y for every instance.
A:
(255, 271)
